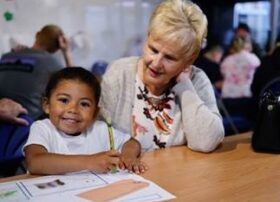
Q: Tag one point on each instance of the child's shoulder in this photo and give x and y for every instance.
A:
(98, 125)
(44, 123)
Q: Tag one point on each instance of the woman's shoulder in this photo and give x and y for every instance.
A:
(199, 78)
(122, 66)
(125, 62)
(198, 74)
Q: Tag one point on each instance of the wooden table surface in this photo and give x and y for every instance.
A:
(233, 172)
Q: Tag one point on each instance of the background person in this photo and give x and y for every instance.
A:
(10, 111)
(160, 97)
(267, 71)
(209, 61)
(25, 72)
(238, 69)
(243, 30)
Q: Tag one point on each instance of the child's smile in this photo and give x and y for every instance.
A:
(71, 107)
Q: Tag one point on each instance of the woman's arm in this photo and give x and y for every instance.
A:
(130, 157)
(201, 120)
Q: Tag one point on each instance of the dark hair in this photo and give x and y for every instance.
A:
(74, 73)
(244, 26)
(213, 45)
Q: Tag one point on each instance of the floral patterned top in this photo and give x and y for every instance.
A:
(152, 117)
(238, 70)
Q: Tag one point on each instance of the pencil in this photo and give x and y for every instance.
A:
(111, 140)
(111, 135)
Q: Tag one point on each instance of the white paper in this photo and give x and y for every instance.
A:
(62, 188)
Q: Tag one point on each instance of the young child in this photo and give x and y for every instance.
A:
(70, 139)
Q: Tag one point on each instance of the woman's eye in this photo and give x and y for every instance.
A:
(170, 58)
(153, 50)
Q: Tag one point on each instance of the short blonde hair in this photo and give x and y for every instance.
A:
(239, 43)
(48, 37)
(181, 21)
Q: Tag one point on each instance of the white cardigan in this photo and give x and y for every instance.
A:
(198, 124)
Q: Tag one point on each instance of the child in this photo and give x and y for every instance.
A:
(71, 139)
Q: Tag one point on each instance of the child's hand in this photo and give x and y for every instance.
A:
(133, 164)
(104, 161)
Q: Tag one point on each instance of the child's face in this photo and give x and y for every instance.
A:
(71, 107)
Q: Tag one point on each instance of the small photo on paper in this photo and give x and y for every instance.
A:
(52, 184)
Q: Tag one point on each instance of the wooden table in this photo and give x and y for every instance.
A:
(234, 172)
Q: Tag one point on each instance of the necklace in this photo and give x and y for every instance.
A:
(157, 104)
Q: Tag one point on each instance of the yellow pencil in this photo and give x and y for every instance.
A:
(111, 140)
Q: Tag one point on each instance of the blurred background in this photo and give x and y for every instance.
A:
(109, 29)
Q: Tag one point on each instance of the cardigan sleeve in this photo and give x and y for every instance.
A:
(201, 120)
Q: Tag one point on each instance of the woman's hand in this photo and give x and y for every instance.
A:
(184, 75)
(133, 164)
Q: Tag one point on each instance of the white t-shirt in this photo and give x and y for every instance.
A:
(94, 140)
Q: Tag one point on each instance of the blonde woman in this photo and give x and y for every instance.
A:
(160, 98)
(238, 69)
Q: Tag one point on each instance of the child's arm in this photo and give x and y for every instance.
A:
(40, 161)
(130, 157)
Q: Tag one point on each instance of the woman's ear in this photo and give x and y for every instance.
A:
(45, 104)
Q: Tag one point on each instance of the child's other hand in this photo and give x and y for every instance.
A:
(133, 164)
(104, 162)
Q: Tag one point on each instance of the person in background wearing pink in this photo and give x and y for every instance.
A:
(238, 69)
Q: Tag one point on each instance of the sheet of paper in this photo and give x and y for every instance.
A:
(114, 190)
(10, 191)
(54, 184)
(59, 188)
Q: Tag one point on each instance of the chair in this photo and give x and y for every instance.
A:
(99, 67)
(234, 122)
(13, 137)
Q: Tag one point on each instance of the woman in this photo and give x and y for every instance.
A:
(238, 69)
(160, 97)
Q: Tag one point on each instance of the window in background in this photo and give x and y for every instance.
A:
(118, 29)
(257, 16)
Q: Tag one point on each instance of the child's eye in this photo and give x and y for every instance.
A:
(63, 100)
(85, 104)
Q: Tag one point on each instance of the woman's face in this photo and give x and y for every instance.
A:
(71, 107)
(162, 61)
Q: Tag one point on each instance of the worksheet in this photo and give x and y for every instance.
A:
(84, 186)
